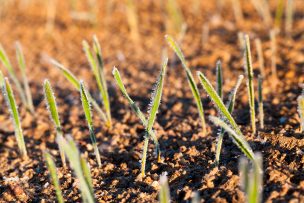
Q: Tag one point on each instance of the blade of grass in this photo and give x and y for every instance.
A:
(154, 105)
(251, 178)
(218, 102)
(52, 108)
(22, 66)
(238, 139)
(11, 103)
(75, 82)
(87, 112)
(96, 64)
(53, 174)
(71, 151)
(7, 64)
(230, 107)
(86, 173)
(190, 78)
(219, 79)
(261, 108)
(164, 192)
(250, 87)
(135, 109)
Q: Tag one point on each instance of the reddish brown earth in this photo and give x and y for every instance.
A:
(188, 155)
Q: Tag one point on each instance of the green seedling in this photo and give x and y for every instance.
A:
(154, 105)
(132, 17)
(250, 87)
(22, 66)
(238, 138)
(261, 108)
(11, 103)
(252, 178)
(52, 107)
(53, 174)
(237, 134)
(301, 111)
(79, 166)
(87, 112)
(289, 16)
(219, 79)
(279, 14)
(164, 192)
(75, 82)
(94, 57)
(26, 99)
(50, 14)
(230, 107)
(241, 40)
(190, 78)
(258, 45)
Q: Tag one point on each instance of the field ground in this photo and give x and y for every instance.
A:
(188, 155)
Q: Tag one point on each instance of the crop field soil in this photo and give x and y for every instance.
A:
(132, 38)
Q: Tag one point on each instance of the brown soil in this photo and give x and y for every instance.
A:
(188, 155)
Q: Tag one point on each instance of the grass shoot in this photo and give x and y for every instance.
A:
(52, 108)
(249, 72)
(273, 56)
(190, 78)
(153, 109)
(11, 103)
(80, 169)
(53, 174)
(7, 64)
(135, 109)
(132, 18)
(238, 139)
(230, 107)
(219, 79)
(75, 82)
(22, 66)
(252, 178)
(94, 57)
(261, 108)
(164, 192)
(289, 16)
(87, 112)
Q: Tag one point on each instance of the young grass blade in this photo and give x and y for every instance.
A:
(219, 79)
(87, 112)
(53, 173)
(261, 108)
(71, 151)
(156, 97)
(301, 111)
(230, 107)
(164, 192)
(154, 105)
(52, 107)
(7, 64)
(22, 66)
(238, 139)
(74, 81)
(86, 173)
(135, 108)
(10, 100)
(273, 57)
(96, 64)
(252, 178)
(144, 155)
(250, 87)
(190, 78)
(279, 14)
(218, 102)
